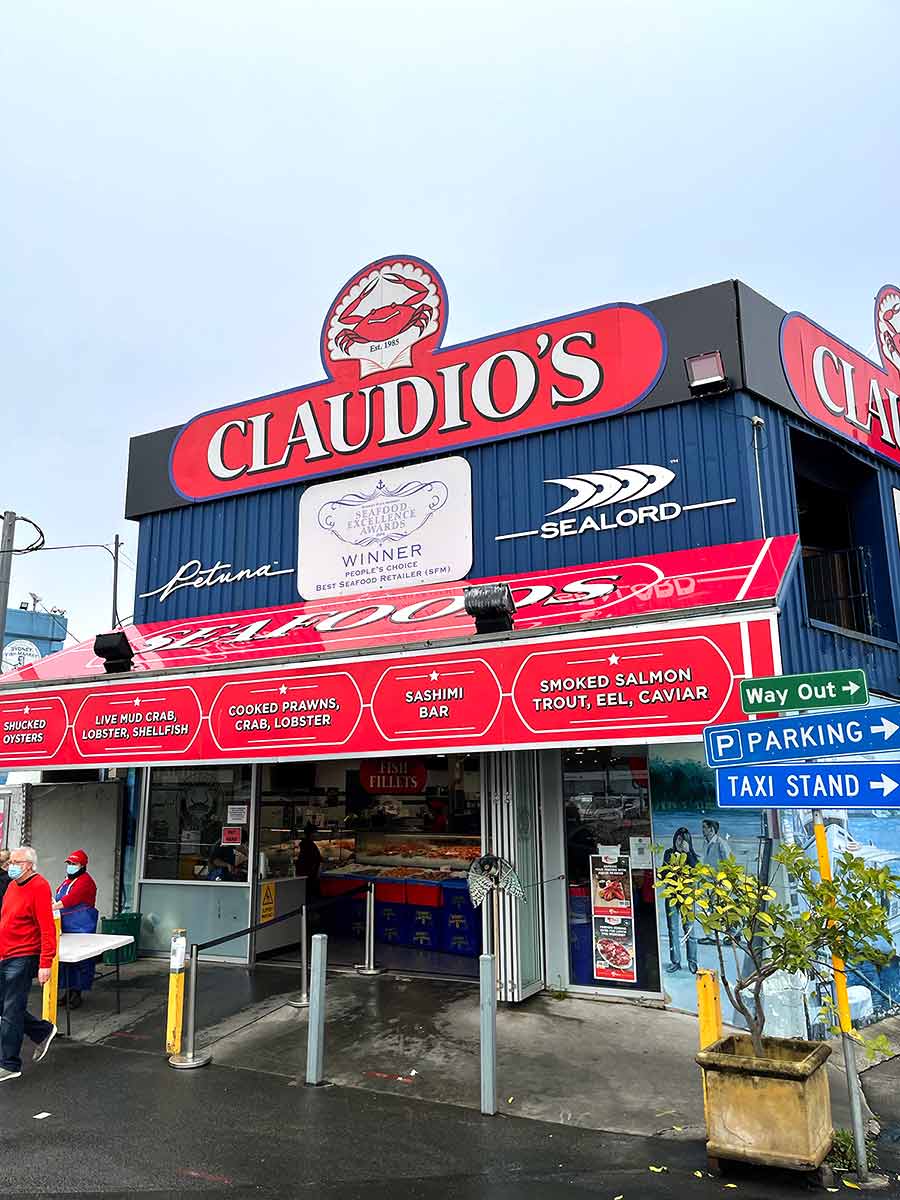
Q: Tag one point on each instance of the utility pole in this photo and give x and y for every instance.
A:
(115, 595)
(7, 539)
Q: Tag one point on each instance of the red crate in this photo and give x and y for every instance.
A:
(338, 887)
(425, 895)
(391, 893)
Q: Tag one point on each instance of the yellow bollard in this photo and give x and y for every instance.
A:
(709, 1007)
(842, 999)
(51, 987)
(709, 1011)
(176, 991)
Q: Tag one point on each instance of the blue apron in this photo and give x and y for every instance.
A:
(80, 919)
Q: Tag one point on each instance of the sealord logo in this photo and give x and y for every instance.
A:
(612, 486)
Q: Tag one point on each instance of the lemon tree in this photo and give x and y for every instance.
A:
(756, 934)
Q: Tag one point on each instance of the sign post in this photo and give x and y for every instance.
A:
(842, 1004)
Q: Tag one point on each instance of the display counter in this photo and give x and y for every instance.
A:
(421, 892)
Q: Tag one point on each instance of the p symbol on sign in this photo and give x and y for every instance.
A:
(725, 744)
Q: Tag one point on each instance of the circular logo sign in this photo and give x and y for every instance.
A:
(18, 653)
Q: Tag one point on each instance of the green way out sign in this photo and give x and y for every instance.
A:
(822, 689)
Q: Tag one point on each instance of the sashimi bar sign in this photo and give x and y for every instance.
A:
(392, 392)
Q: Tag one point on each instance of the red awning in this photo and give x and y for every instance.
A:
(640, 650)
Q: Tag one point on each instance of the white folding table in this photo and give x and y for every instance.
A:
(79, 947)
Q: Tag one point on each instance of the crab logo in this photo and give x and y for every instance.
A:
(887, 321)
(382, 315)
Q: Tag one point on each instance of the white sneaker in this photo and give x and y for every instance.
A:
(4, 1074)
(41, 1048)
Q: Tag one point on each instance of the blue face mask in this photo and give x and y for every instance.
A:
(72, 868)
(14, 870)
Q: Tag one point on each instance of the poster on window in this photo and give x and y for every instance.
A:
(610, 883)
(614, 947)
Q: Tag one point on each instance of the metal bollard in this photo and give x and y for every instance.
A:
(303, 1002)
(368, 967)
(488, 990)
(315, 1036)
(175, 1011)
(190, 1059)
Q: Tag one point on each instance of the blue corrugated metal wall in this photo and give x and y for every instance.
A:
(806, 647)
(706, 444)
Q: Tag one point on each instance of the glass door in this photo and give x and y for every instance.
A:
(510, 830)
(611, 904)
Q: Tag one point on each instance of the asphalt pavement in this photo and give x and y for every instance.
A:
(99, 1120)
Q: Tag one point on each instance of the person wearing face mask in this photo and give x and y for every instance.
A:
(27, 948)
(76, 898)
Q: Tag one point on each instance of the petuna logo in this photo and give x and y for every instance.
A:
(612, 486)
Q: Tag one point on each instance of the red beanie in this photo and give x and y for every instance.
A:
(78, 856)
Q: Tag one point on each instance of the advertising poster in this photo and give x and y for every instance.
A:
(613, 917)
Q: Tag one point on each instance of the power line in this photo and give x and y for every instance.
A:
(58, 617)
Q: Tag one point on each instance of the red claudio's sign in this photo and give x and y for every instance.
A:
(729, 576)
(841, 388)
(392, 392)
(659, 683)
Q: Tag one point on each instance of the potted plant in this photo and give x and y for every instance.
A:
(767, 1098)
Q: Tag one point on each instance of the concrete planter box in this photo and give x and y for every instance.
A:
(776, 1110)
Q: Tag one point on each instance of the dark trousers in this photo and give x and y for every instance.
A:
(16, 975)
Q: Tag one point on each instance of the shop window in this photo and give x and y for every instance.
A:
(189, 807)
(842, 538)
(415, 813)
(609, 869)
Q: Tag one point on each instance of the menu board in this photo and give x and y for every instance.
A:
(612, 911)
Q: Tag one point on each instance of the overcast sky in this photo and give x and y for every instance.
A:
(184, 186)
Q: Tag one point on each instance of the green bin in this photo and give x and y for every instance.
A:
(124, 923)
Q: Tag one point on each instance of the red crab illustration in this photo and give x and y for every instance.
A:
(892, 320)
(388, 321)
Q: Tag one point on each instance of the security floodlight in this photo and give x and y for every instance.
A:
(491, 605)
(116, 652)
(706, 372)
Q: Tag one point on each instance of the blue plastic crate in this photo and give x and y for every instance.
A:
(461, 931)
(393, 923)
(427, 926)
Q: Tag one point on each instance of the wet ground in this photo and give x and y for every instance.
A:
(619, 1068)
(93, 1120)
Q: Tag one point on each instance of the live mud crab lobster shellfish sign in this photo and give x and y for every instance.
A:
(392, 391)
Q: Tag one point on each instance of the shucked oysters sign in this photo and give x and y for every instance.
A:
(393, 392)
(394, 528)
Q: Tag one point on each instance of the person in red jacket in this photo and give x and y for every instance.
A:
(76, 899)
(27, 948)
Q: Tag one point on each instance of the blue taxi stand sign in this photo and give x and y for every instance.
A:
(810, 785)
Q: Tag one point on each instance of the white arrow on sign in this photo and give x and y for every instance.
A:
(888, 728)
(885, 785)
(850, 687)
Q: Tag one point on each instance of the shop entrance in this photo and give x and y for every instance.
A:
(411, 825)
(611, 900)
